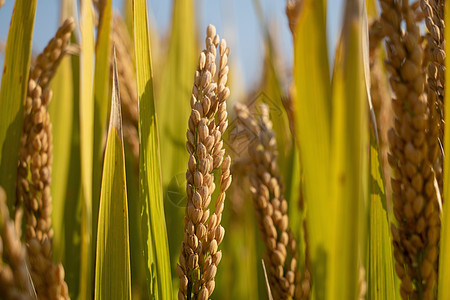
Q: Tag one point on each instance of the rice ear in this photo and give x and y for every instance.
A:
(34, 170)
(413, 146)
(14, 275)
(207, 123)
(271, 209)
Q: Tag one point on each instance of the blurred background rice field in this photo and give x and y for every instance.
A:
(237, 20)
(298, 143)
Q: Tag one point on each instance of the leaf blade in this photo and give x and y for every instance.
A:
(174, 90)
(311, 78)
(101, 105)
(444, 259)
(380, 267)
(13, 91)
(156, 249)
(348, 160)
(86, 143)
(112, 271)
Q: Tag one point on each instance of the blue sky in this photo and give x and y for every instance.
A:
(235, 20)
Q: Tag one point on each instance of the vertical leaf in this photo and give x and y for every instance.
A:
(138, 264)
(61, 113)
(313, 110)
(73, 198)
(153, 225)
(174, 91)
(112, 271)
(13, 90)
(101, 92)
(380, 269)
(86, 143)
(348, 158)
(63, 118)
(444, 259)
(127, 8)
(66, 173)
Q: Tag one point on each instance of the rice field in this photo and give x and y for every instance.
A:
(133, 167)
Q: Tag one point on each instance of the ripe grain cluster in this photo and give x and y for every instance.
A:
(203, 233)
(414, 152)
(271, 209)
(34, 171)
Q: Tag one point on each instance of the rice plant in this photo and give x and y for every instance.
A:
(131, 168)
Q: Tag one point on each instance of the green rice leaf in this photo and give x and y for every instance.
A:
(380, 268)
(61, 114)
(13, 91)
(86, 143)
(127, 8)
(153, 225)
(112, 268)
(172, 102)
(66, 176)
(297, 215)
(138, 264)
(312, 105)
(101, 105)
(175, 90)
(349, 160)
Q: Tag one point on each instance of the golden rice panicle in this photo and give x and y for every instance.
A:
(416, 234)
(47, 62)
(34, 170)
(128, 91)
(208, 121)
(14, 283)
(433, 11)
(271, 209)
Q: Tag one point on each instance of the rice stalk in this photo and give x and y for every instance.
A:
(14, 276)
(266, 280)
(34, 170)
(199, 256)
(416, 235)
(271, 209)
